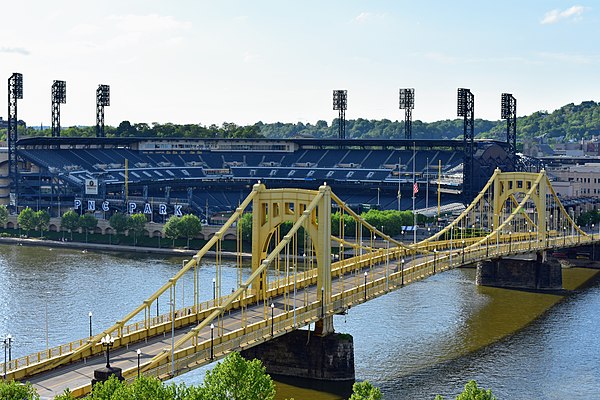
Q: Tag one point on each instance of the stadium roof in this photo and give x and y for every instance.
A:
(303, 142)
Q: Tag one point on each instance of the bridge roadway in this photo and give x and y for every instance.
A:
(79, 374)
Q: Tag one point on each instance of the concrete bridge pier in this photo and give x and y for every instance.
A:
(303, 354)
(528, 272)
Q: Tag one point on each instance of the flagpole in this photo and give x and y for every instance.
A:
(413, 199)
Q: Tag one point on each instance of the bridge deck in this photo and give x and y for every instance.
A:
(79, 374)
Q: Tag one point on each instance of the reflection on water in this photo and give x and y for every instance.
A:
(427, 338)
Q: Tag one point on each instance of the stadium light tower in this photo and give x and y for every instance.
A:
(508, 111)
(59, 96)
(407, 103)
(15, 92)
(102, 100)
(340, 102)
(466, 109)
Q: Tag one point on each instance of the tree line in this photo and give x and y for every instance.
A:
(570, 122)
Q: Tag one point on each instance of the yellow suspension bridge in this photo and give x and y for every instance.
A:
(297, 280)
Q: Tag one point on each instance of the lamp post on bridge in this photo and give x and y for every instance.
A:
(434, 259)
(139, 355)
(463, 252)
(366, 274)
(214, 281)
(7, 346)
(402, 272)
(107, 341)
(90, 316)
(273, 315)
(530, 240)
(212, 341)
(564, 236)
(509, 241)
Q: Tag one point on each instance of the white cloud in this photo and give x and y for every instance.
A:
(554, 16)
(15, 50)
(149, 23)
(364, 17)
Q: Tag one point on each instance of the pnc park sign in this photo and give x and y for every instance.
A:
(132, 207)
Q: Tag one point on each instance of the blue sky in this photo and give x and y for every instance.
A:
(245, 61)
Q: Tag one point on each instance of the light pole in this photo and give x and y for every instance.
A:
(272, 317)
(212, 341)
(463, 251)
(90, 315)
(214, 289)
(434, 259)
(107, 341)
(402, 272)
(564, 236)
(530, 240)
(366, 274)
(139, 356)
(509, 241)
(7, 345)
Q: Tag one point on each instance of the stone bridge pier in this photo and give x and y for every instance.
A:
(526, 272)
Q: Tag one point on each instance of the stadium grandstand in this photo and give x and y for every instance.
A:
(162, 177)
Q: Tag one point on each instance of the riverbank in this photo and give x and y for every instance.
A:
(113, 248)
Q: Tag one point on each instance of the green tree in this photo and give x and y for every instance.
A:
(12, 390)
(27, 220)
(119, 222)
(171, 228)
(141, 388)
(70, 222)
(42, 220)
(238, 379)
(3, 215)
(189, 226)
(472, 392)
(246, 222)
(137, 223)
(365, 391)
(88, 223)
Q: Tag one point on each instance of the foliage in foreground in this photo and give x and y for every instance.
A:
(365, 391)
(235, 378)
(472, 392)
(12, 390)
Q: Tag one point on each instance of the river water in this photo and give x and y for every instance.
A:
(428, 338)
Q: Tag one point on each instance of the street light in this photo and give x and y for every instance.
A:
(402, 272)
(7, 346)
(463, 251)
(366, 285)
(212, 340)
(509, 241)
(434, 259)
(272, 317)
(214, 280)
(564, 236)
(139, 356)
(530, 240)
(90, 315)
(107, 341)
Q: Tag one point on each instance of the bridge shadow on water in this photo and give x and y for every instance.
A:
(299, 388)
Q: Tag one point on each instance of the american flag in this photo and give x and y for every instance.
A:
(415, 188)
